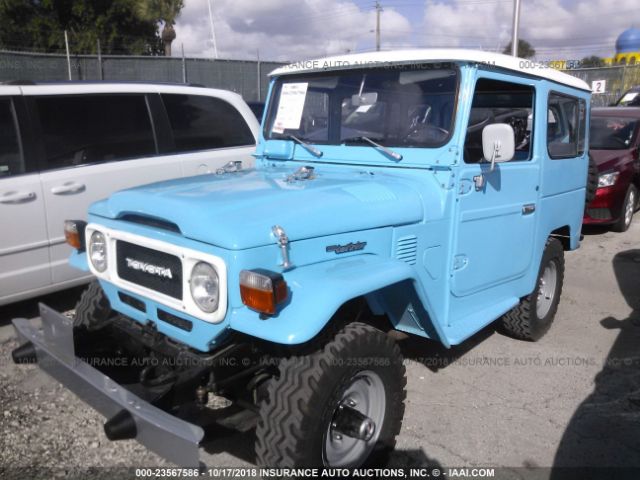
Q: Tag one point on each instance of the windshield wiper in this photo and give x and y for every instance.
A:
(395, 155)
(310, 148)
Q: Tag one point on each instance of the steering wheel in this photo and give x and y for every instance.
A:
(519, 126)
(481, 124)
(425, 133)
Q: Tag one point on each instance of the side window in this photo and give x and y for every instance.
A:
(566, 126)
(495, 101)
(202, 123)
(11, 162)
(82, 129)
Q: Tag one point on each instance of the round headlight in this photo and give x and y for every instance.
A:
(204, 287)
(98, 251)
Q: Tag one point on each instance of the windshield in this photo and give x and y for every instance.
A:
(611, 133)
(403, 106)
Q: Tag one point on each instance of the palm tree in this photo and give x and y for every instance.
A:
(164, 11)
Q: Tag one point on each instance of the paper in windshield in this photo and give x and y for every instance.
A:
(292, 97)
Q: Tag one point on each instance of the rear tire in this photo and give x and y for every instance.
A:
(627, 210)
(592, 181)
(93, 310)
(531, 319)
(298, 424)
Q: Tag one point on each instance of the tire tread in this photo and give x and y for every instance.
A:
(519, 321)
(287, 415)
(93, 307)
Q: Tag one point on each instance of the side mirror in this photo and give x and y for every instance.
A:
(498, 143)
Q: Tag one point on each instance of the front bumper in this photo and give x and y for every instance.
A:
(168, 436)
(606, 207)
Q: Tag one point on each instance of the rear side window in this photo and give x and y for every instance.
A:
(11, 162)
(202, 123)
(83, 129)
(566, 126)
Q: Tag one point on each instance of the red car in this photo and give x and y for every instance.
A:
(614, 144)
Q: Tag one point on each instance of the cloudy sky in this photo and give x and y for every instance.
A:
(289, 30)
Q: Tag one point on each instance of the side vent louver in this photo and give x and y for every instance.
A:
(407, 248)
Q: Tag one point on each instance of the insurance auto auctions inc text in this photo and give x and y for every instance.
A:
(387, 473)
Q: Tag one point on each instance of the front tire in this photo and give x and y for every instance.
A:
(627, 211)
(531, 319)
(308, 418)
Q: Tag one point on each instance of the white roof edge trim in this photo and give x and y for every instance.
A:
(124, 87)
(397, 57)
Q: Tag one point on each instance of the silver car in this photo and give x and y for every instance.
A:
(64, 146)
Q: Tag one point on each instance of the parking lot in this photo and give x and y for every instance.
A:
(572, 399)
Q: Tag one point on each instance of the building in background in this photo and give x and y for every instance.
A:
(627, 48)
(627, 53)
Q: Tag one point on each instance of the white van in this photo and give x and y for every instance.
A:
(64, 146)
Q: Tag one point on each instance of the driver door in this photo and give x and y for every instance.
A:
(496, 223)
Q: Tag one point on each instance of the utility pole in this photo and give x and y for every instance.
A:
(213, 32)
(259, 74)
(184, 65)
(100, 71)
(378, 11)
(516, 22)
(66, 44)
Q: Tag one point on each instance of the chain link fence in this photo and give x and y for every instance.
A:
(248, 78)
(617, 80)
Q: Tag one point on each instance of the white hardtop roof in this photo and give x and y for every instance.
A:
(397, 57)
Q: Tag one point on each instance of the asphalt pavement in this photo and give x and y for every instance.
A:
(571, 399)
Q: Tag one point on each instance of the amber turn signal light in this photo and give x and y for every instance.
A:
(74, 233)
(262, 290)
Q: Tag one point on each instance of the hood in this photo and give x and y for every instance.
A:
(238, 210)
(608, 159)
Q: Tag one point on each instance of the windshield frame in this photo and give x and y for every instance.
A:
(277, 82)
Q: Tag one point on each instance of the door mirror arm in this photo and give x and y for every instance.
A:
(498, 145)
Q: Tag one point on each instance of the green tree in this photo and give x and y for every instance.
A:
(525, 49)
(165, 12)
(40, 25)
(592, 61)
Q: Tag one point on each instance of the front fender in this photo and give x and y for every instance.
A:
(316, 293)
(79, 260)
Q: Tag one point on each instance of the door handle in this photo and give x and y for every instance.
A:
(68, 188)
(528, 209)
(478, 182)
(17, 197)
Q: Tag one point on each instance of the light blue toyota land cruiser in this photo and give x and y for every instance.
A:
(430, 192)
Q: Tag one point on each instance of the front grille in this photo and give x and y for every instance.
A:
(132, 302)
(599, 213)
(175, 320)
(149, 268)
